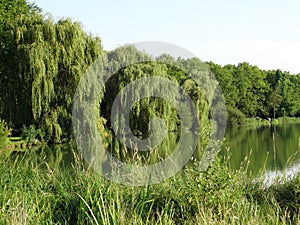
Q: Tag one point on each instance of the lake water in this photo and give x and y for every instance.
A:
(274, 148)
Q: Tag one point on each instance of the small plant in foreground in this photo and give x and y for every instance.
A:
(4, 134)
(30, 134)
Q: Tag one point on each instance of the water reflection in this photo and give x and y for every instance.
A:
(273, 148)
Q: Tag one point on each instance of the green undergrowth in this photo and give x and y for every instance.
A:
(36, 190)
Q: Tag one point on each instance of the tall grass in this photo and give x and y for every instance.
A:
(34, 190)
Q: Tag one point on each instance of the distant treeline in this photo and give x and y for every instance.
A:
(259, 93)
(42, 61)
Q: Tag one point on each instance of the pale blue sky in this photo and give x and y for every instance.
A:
(265, 33)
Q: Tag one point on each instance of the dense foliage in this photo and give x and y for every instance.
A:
(42, 62)
(235, 118)
(259, 93)
(148, 107)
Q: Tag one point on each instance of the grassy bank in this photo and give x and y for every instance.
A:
(34, 191)
(257, 122)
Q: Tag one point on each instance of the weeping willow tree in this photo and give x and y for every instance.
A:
(10, 12)
(146, 108)
(45, 61)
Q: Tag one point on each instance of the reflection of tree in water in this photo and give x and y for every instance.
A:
(162, 151)
(265, 151)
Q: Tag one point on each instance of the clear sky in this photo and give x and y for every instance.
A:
(264, 33)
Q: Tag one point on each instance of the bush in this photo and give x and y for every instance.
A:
(30, 134)
(4, 133)
(235, 118)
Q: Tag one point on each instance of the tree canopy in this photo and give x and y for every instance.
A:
(42, 61)
(259, 93)
(41, 64)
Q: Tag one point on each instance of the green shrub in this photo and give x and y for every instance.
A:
(30, 134)
(235, 118)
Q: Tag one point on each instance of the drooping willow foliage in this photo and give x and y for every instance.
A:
(43, 64)
(179, 71)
